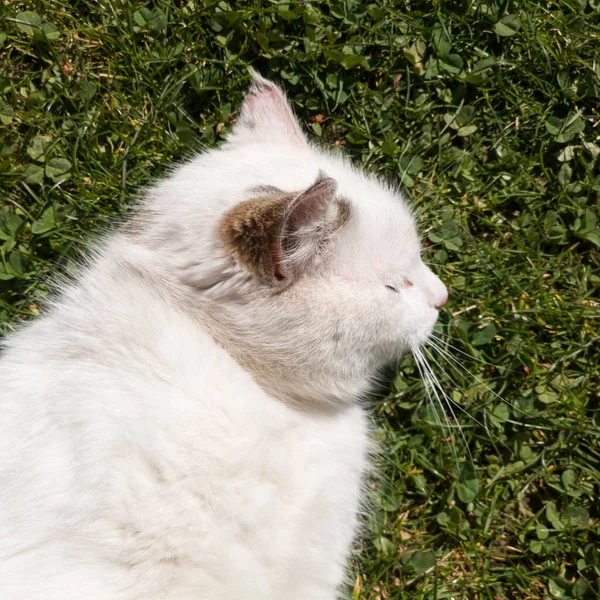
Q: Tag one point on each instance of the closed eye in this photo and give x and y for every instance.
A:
(393, 288)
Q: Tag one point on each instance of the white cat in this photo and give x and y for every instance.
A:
(184, 421)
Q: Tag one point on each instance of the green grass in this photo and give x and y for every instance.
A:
(488, 114)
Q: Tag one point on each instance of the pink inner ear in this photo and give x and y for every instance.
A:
(267, 112)
(257, 95)
(277, 258)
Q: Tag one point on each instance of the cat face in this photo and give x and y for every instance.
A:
(311, 270)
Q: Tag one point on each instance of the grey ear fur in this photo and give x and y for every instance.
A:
(309, 220)
(306, 213)
(278, 235)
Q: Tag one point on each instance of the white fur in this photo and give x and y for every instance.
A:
(174, 428)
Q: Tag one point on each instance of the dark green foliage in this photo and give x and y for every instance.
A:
(487, 112)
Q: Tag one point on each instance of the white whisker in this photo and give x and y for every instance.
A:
(449, 357)
(437, 417)
(424, 371)
(470, 415)
(432, 377)
(443, 340)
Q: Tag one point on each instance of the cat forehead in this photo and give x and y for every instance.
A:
(381, 236)
(290, 169)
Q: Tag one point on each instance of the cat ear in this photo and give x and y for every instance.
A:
(278, 236)
(267, 116)
(307, 222)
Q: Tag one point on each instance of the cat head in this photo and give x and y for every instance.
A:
(307, 270)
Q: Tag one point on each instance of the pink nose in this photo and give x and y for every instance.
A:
(433, 287)
(442, 299)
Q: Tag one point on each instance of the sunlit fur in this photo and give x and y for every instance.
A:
(175, 427)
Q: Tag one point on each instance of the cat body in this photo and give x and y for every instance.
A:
(184, 421)
(164, 473)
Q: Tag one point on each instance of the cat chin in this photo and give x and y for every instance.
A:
(420, 338)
